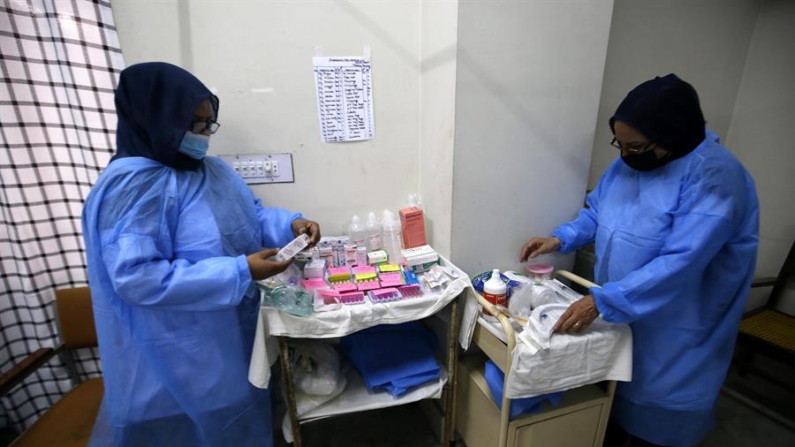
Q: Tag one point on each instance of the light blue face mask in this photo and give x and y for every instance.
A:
(194, 145)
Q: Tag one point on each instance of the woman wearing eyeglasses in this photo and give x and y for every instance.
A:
(174, 243)
(675, 224)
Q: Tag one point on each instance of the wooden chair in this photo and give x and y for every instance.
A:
(68, 423)
(766, 329)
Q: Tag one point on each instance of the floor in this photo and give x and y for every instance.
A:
(740, 422)
(738, 426)
(767, 420)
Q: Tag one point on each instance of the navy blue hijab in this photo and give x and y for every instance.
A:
(155, 103)
(666, 110)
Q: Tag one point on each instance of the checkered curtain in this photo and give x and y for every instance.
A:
(59, 62)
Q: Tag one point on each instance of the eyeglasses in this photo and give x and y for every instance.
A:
(634, 150)
(210, 125)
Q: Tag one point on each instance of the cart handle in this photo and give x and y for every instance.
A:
(574, 278)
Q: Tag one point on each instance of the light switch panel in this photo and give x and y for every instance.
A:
(262, 168)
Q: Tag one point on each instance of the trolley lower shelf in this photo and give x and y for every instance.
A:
(356, 397)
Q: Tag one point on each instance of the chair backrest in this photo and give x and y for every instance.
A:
(76, 317)
(784, 276)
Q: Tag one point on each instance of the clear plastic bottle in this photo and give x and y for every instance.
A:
(356, 232)
(374, 239)
(393, 241)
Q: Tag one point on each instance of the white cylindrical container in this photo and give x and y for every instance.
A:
(374, 241)
(356, 232)
(393, 240)
(495, 291)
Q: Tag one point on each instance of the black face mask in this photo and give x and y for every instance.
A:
(645, 161)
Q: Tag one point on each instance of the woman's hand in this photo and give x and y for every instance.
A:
(308, 227)
(261, 266)
(578, 316)
(538, 246)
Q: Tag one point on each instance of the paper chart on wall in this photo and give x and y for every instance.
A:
(344, 98)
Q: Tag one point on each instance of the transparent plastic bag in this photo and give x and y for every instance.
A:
(283, 291)
(317, 375)
(316, 367)
(521, 302)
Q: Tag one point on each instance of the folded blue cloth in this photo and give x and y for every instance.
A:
(393, 357)
(495, 379)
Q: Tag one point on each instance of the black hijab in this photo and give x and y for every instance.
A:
(666, 110)
(155, 103)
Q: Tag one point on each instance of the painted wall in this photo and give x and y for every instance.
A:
(761, 133)
(437, 123)
(704, 42)
(527, 94)
(238, 46)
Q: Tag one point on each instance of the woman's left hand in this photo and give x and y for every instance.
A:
(308, 227)
(578, 316)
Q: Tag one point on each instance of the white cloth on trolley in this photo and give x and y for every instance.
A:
(347, 320)
(603, 351)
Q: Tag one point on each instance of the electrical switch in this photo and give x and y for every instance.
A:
(262, 168)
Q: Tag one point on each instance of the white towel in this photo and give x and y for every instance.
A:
(603, 351)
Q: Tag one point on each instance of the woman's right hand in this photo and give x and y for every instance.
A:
(261, 266)
(538, 246)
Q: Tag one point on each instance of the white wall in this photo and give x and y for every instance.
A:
(437, 112)
(527, 93)
(704, 42)
(237, 46)
(761, 131)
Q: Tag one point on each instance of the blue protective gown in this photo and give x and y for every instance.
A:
(175, 305)
(174, 302)
(676, 250)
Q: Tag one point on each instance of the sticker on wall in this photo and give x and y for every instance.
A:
(344, 97)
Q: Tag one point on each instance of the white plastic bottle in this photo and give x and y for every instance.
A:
(393, 241)
(374, 240)
(357, 232)
(495, 291)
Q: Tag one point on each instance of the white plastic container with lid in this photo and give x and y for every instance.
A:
(374, 241)
(392, 238)
(356, 232)
(495, 291)
(540, 274)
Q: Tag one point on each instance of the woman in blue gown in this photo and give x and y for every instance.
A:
(175, 241)
(675, 224)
